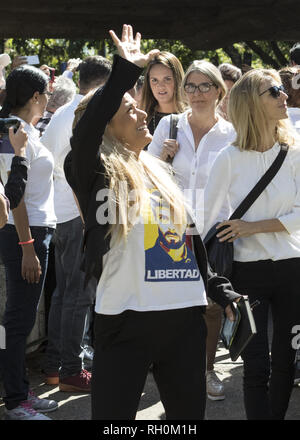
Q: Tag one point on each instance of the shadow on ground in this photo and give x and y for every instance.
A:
(78, 406)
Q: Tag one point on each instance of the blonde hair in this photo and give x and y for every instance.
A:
(247, 113)
(149, 103)
(122, 165)
(211, 71)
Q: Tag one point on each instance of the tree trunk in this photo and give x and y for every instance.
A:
(266, 58)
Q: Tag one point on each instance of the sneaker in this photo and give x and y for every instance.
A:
(214, 386)
(80, 382)
(41, 405)
(24, 412)
(52, 378)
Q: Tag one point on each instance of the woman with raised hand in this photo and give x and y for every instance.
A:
(201, 134)
(266, 240)
(24, 243)
(151, 288)
(161, 94)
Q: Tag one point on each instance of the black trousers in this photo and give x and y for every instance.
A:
(268, 380)
(128, 343)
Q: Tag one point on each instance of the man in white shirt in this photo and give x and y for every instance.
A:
(70, 302)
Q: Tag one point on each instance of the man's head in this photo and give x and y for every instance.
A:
(93, 72)
(295, 54)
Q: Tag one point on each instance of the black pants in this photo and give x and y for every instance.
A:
(127, 344)
(268, 381)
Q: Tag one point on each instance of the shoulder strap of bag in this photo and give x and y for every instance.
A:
(173, 126)
(261, 184)
(173, 131)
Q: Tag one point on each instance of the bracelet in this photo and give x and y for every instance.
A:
(27, 242)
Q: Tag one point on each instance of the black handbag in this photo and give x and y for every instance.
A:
(220, 254)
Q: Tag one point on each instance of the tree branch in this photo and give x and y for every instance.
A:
(266, 58)
(234, 54)
(279, 55)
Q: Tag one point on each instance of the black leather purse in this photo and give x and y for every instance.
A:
(220, 254)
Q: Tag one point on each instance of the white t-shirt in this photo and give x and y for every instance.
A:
(154, 270)
(234, 174)
(57, 139)
(39, 192)
(192, 166)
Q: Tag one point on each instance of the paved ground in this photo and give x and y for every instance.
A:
(77, 406)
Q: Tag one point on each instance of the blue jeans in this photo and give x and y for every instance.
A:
(21, 307)
(69, 303)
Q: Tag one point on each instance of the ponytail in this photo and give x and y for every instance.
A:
(21, 84)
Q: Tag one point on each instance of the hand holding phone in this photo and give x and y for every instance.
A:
(18, 140)
(18, 61)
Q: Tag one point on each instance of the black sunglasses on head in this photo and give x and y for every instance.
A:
(274, 91)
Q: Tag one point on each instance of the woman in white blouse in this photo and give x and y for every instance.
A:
(202, 133)
(267, 239)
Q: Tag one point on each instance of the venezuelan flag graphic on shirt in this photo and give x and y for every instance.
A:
(167, 255)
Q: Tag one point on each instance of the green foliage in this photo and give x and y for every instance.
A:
(55, 51)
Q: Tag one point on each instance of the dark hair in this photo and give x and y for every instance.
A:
(140, 82)
(93, 71)
(21, 84)
(295, 53)
(230, 72)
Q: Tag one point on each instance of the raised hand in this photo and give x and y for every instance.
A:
(130, 47)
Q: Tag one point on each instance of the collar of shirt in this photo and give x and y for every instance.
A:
(221, 125)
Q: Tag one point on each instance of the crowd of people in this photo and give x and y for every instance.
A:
(94, 173)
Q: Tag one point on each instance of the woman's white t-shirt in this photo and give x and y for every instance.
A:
(39, 192)
(154, 270)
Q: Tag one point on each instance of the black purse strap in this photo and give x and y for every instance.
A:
(261, 184)
(173, 126)
(172, 132)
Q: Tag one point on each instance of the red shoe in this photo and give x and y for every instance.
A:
(52, 378)
(79, 383)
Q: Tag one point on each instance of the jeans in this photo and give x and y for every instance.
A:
(70, 302)
(128, 343)
(268, 381)
(21, 307)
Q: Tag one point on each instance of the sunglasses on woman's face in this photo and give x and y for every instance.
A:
(274, 91)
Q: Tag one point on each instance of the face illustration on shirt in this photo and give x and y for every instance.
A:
(167, 232)
(169, 240)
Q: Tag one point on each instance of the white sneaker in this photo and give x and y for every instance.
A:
(41, 405)
(24, 412)
(214, 386)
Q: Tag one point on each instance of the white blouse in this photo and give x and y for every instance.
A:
(192, 166)
(233, 175)
(39, 191)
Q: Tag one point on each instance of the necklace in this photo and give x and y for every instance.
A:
(159, 115)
